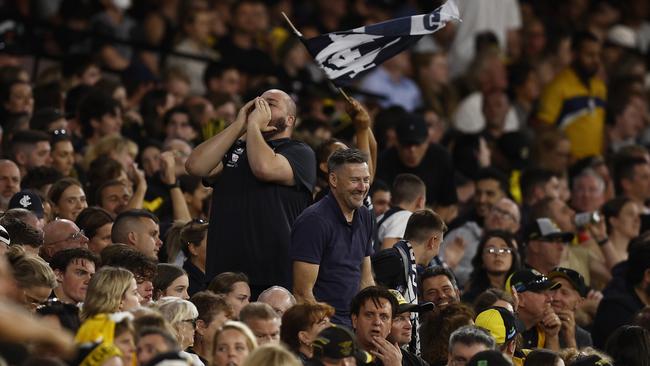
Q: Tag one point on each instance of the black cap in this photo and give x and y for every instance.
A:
(338, 342)
(29, 201)
(545, 229)
(489, 358)
(411, 130)
(575, 278)
(404, 306)
(530, 280)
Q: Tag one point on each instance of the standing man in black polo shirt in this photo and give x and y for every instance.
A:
(263, 182)
(331, 242)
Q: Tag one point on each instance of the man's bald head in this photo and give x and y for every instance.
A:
(61, 234)
(504, 215)
(278, 297)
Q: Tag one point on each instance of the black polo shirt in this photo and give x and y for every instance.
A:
(321, 235)
(250, 220)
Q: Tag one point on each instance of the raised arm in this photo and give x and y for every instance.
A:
(265, 164)
(363, 132)
(168, 177)
(205, 159)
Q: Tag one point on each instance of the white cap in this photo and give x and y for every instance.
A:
(622, 36)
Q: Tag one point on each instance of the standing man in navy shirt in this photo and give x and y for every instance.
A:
(331, 240)
(264, 180)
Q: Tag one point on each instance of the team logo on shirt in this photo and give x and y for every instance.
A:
(234, 157)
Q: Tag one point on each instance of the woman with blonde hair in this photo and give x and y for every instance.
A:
(110, 290)
(181, 315)
(119, 148)
(271, 355)
(34, 277)
(232, 344)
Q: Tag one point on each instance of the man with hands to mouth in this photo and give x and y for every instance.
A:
(565, 301)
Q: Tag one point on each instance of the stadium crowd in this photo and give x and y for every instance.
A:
(180, 184)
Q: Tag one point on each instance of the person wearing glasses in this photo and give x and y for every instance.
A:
(462, 241)
(565, 301)
(496, 258)
(535, 293)
(61, 234)
(182, 316)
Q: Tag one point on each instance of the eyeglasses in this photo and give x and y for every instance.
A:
(59, 132)
(191, 321)
(498, 251)
(74, 237)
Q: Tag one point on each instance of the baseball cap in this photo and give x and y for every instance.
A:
(622, 36)
(530, 280)
(545, 229)
(4, 236)
(575, 278)
(412, 129)
(338, 342)
(404, 306)
(489, 358)
(29, 201)
(501, 323)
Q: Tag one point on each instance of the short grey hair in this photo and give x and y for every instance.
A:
(589, 172)
(268, 291)
(471, 334)
(345, 156)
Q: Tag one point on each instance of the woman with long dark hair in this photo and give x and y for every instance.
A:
(496, 258)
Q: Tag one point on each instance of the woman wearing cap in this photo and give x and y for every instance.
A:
(300, 326)
(496, 258)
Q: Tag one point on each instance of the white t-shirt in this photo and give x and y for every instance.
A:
(394, 226)
(469, 115)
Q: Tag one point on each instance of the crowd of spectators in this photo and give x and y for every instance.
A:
(181, 184)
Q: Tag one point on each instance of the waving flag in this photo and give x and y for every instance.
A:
(347, 54)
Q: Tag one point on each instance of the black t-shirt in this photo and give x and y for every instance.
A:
(251, 61)
(615, 309)
(410, 359)
(250, 223)
(436, 170)
(196, 278)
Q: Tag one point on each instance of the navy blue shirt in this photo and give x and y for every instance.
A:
(321, 235)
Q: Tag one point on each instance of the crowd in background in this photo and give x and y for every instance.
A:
(493, 181)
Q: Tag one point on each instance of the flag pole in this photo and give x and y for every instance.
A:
(297, 33)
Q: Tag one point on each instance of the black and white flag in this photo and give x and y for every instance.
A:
(347, 54)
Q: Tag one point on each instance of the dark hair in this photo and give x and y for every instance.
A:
(210, 304)
(421, 224)
(490, 296)
(189, 183)
(165, 275)
(19, 231)
(406, 189)
(299, 318)
(27, 137)
(122, 255)
(178, 110)
(5, 88)
(125, 218)
(149, 105)
(215, 70)
(223, 282)
(629, 345)
(42, 118)
(94, 106)
(438, 327)
(192, 233)
(532, 178)
(623, 168)
(345, 156)
(379, 185)
(437, 271)
(464, 153)
(90, 219)
(638, 262)
(612, 208)
(60, 186)
(478, 279)
(68, 314)
(62, 259)
(73, 99)
(616, 105)
(578, 38)
(491, 173)
(541, 357)
(100, 190)
(39, 177)
(168, 338)
(374, 293)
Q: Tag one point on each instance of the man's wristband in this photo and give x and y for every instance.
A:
(172, 186)
(602, 241)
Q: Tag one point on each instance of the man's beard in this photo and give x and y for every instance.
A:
(584, 72)
(280, 123)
